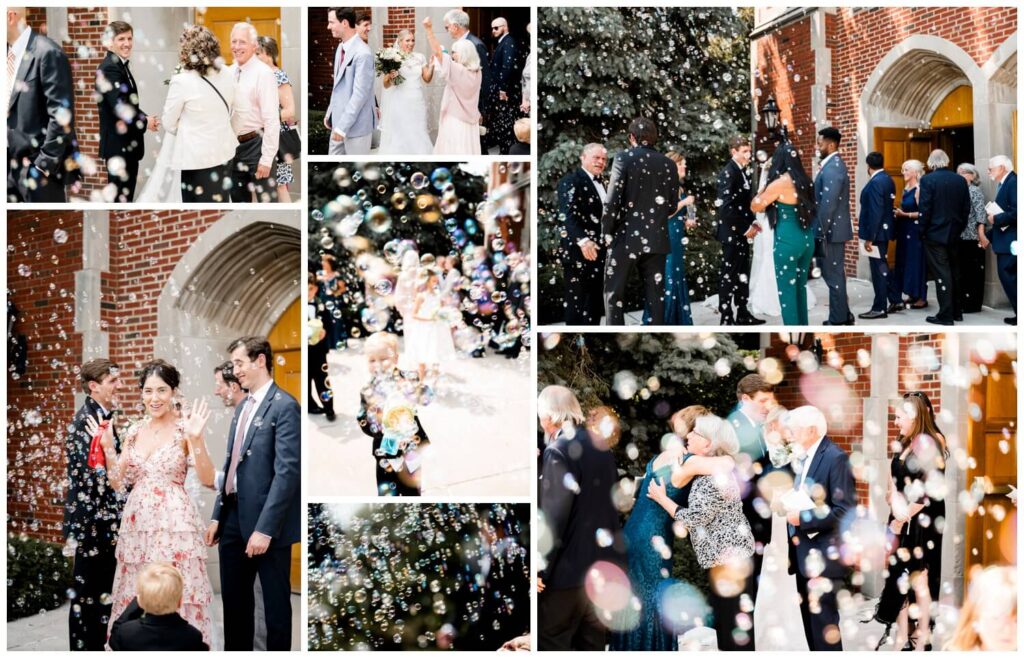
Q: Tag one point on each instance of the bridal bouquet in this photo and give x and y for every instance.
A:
(388, 60)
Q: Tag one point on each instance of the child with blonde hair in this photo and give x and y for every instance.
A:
(151, 621)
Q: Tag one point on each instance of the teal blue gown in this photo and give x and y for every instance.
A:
(645, 565)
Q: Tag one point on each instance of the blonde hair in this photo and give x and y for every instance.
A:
(381, 342)
(522, 129)
(914, 165)
(401, 35)
(158, 587)
(559, 404)
(984, 583)
(719, 433)
(468, 57)
(682, 421)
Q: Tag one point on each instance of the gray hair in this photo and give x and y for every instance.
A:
(938, 159)
(500, 21)
(457, 17)
(719, 433)
(250, 28)
(968, 168)
(468, 56)
(914, 165)
(777, 413)
(1001, 161)
(591, 147)
(559, 405)
(807, 416)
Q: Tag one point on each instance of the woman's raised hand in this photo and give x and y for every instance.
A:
(196, 420)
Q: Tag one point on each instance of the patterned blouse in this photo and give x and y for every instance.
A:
(715, 520)
(978, 214)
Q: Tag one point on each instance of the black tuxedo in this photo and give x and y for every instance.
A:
(641, 197)
(945, 208)
(506, 76)
(267, 500)
(118, 97)
(41, 142)
(580, 209)
(830, 470)
(734, 192)
(137, 630)
(92, 512)
(567, 619)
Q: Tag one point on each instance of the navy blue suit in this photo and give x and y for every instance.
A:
(945, 209)
(1004, 233)
(820, 531)
(267, 500)
(877, 224)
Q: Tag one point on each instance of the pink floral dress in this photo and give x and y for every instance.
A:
(160, 523)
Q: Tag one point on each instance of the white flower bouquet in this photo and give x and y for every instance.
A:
(388, 61)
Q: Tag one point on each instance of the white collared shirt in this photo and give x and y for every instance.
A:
(877, 171)
(257, 399)
(18, 48)
(255, 106)
(808, 460)
(601, 192)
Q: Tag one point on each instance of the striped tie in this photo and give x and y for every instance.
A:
(10, 78)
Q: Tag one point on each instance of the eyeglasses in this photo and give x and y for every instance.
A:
(495, 29)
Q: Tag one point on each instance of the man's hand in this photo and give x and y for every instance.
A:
(152, 123)
(337, 136)
(521, 643)
(752, 231)
(327, 121)
(540, 584)
(258, 544)
(263, 171)
(502, 96)
(867, 245)
(211, 534)
(793, 518)
(524, 107)
(589, 249)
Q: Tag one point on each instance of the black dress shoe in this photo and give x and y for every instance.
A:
(330, 417)
(750, 320)
(848, 323)
(934, 320)
(958, 317)
(895, 308)
(873, 315)
(1012, 320)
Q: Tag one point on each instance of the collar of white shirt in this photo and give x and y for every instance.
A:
(809, 459)
(260, 393)
(21, 43)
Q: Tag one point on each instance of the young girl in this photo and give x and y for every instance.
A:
(387, 413)
(430, 343)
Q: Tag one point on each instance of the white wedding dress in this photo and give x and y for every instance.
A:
(164, 182)
(403, 126)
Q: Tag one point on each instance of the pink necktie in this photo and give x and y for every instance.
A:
(236, 447)
(10, 78)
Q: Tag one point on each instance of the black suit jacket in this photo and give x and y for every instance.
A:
(135, 630)
(642, 195)
(40, 119)
(830, 470)
(118, 96)
(575, 517)
(945, 206)
(92, 509)
(1004, 231)
(268, 470)
(580, 208)
(733, 195)
(486, 83)
(507, 69)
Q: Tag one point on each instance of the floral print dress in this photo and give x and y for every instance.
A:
(160, 523)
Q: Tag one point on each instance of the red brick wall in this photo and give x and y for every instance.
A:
(399, 18)
(859, 38)
(840, 356)
(321, 57)
(35, 454)
(145, 246)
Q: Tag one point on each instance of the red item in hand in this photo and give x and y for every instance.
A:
(97, 459)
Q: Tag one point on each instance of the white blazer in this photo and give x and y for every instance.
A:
(199, 119)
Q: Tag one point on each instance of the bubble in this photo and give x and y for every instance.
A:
(24, 270)
(379, 219)
(318, 215)
(607, 586)
(419, 180)
(383, 287)
(441, 177)
(60, 236)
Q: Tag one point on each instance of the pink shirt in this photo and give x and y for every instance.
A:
(462, 93)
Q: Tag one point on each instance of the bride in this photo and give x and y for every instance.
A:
(403, 106)
(764, 290)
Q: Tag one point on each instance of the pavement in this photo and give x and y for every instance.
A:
(860, 295)
(480, 428)
(48, 631)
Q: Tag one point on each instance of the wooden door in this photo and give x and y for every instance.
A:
(897, 145)
(220, 20)
(992, 448)
(285, 342)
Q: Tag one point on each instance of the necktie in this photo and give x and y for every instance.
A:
(128, 72)
(10, 77)
(236, 446)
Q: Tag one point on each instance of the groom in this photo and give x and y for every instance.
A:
(735, 227)
(641, 198)
(92, 512)
(123, 124)
(833, 225)
(350, 117)
(257, 513)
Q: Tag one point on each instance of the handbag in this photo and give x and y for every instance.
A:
(289, 145)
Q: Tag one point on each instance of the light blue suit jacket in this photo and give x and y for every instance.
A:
(832, 194)
(352, 103)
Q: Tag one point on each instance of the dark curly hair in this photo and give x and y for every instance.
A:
(159, 368)
(198, 49)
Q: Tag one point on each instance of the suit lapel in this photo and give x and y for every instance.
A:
(819, 455)
(258, 416)
(19, 79)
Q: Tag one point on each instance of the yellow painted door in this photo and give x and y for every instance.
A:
(897, 145)
(285, 342)
(992, 448)
(220, 20)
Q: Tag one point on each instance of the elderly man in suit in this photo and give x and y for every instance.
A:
(257, 513)
(577, 476)
(123, 124)
(641, 193)
(821, 469)
(1004, 227)
(456, 24)
(945, 208)
(876, 227)
(833, 226)
(41, 144)
(581, 198)
(735, 226)
(351, 117)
